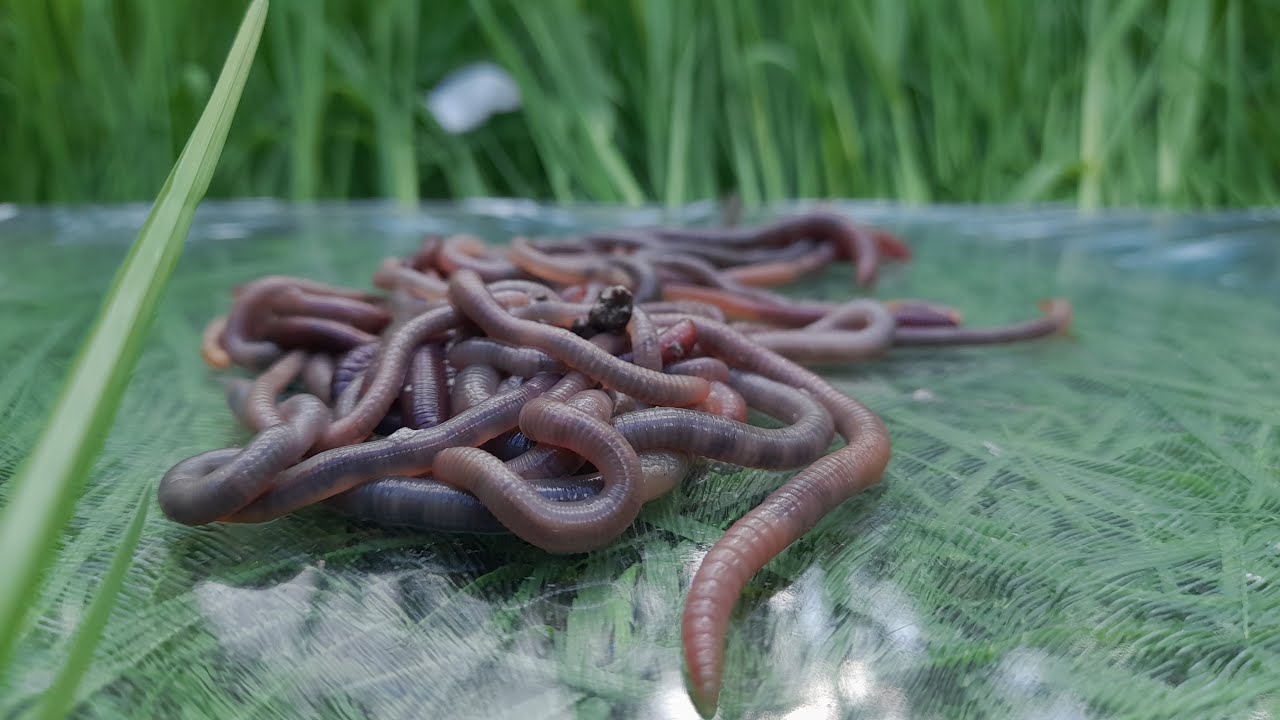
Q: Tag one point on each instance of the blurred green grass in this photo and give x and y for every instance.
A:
(1098, 103)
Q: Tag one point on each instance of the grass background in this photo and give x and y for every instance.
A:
(1095, 102)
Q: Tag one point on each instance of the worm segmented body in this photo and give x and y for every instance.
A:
(551, 389)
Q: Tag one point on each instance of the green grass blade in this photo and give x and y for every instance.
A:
(63, 688)
(44, 490)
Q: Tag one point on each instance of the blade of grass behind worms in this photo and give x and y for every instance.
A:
(63, 688)
(45, 488)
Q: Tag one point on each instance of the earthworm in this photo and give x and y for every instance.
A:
(724, 401)
(211, 349)
(248, 308)
(567, 269)
(427, 504)
(784, 516)
(554, 527)
(449, 354)
(786, 313)
(356, 313)
(473, 385)
(852, 242)
(781, 272)
(314, 333)
(470, 252)
(684, 307)
(510, 359)
(713, 369)
(260, 409)
(730, 257)
(829, 346)
(350, 365)
(424, 258)
(914, 313)
(411, 452)
(1055, 320)
(805, 437)
(549, 461)
(646, 350)
(213, 485)
(317, 376)
(472, 298)
(393, 275)
(424, 402)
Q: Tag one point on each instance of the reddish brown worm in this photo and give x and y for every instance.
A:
(554, 527)
(424, 402)
(427, 504)
(781, 272)
(875, 334)
(261, 410)
(1056, 320)
(317, 376)
(806, 436)
(469, 294)
(211, 349)
(394, 275)
(852, 242)
(510, 359)
(211, 486)
(469, 252)
(356, 313)
(473, 385)
(290, 332)
(785, 516)
(408, 452)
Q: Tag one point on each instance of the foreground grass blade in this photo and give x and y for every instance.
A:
(45, 488)
(59, 696)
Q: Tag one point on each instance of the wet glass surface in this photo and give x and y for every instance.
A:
(1075, 528)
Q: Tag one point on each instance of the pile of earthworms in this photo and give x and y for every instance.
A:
(551, 388)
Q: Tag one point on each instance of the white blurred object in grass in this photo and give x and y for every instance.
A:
(466, 98)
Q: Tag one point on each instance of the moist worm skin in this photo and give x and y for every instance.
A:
(736, 306)
(545, 461)
(356, 313)
(780, 272)
(427, 504)
(571, 269)
(313, 333)
(1056, 320)
(830, 346)
(249, 307)
(385, 377)
(472, 298)
(469, 252)
(725, 402)
(915, 313)
(213, 485)
(473, 385)
(408, 452)
(785, 516)
(684, 307)
(704, 367)
(317, 376)
(211, 344)
(555, 527)
(852, 242)
(509, 359)
(646, 350)
(424, 402)
(806, 437)
(260, 409)
(393, 275)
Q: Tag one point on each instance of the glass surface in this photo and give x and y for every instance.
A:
(1078, 527)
